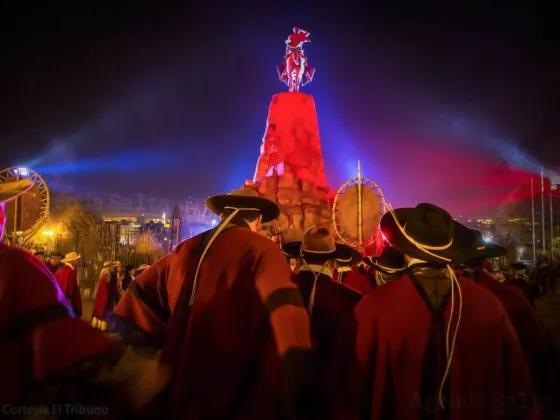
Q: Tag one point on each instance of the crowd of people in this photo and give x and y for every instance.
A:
(229, 325)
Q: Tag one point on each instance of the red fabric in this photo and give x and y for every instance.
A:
(68, 282)
(400, 350)
(519, 287)
(354, 280)
(226, 347)
(333, 329)
(51, 346)
(105, 298)
(529, 329)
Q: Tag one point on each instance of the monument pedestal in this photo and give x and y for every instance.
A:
(290, 170)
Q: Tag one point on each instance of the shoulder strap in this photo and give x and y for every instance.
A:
(178, 325)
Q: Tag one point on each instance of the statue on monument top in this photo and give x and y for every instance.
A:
(295, 72)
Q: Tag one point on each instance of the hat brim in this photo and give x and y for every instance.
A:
(67, 260)
(13, 189)
(374, 262)
(458, 252)
(293, 249)
(267, 208)
(518, 266)
(352, 257)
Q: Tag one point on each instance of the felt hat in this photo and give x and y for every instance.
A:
(319, 243)
(481, 249)
(12, 189)
(428, 233)
(354, 256)
(39, 252)
(71, 256)
(390, 261)
(107, 264)
(142, 267)
(244, 199)
(56, 255)
(518, 266)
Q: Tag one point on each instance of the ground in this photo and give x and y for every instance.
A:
(548, 308)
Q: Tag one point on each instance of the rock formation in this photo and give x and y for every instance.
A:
(290, 169)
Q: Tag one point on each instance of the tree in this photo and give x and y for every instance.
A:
(196, 216)
(146, 244)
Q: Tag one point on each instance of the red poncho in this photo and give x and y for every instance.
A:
(400, 350)
(39, 337)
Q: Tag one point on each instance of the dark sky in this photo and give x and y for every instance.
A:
(445, 104)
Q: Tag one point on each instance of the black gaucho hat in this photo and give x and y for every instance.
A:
(319, 243)
(518, 266)
(482, 250)
(428, 233)
(244, 199)
(391, 261)
(56, 254)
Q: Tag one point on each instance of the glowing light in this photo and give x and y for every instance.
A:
(214, 222)
(19, 233)
(487, 239)
(22, 171)
(48, 233)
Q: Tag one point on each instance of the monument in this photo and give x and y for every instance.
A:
(290, 169)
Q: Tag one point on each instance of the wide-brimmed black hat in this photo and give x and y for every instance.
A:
(56, 254)
(319, 243)
(483, 250)
(390, 261)
(39, 252)
(354, 256)
(518, 266)
(244, 199)
(439, 239)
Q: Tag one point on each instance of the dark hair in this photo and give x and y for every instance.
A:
(248, 215)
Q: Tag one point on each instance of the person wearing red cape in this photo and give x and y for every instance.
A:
(535, 340)
(429, 345)
(346, 274)
(389, 265)
(228, 317)
(330, 305)
(49, 357)
(105, 297)
(68, 281)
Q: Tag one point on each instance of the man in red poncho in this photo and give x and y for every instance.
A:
(330, 305)
(429, 345)
(223, 306)
(346, 274)
(534, 339)
(45, 351)
(389, 265)
(105, 298)
(68, 281)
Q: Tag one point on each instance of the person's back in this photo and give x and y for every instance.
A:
(34, 322)
(401, 354)
(228, 356)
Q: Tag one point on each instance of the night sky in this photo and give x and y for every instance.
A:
(448, 105)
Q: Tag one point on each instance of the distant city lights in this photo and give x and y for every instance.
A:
(22, 171)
